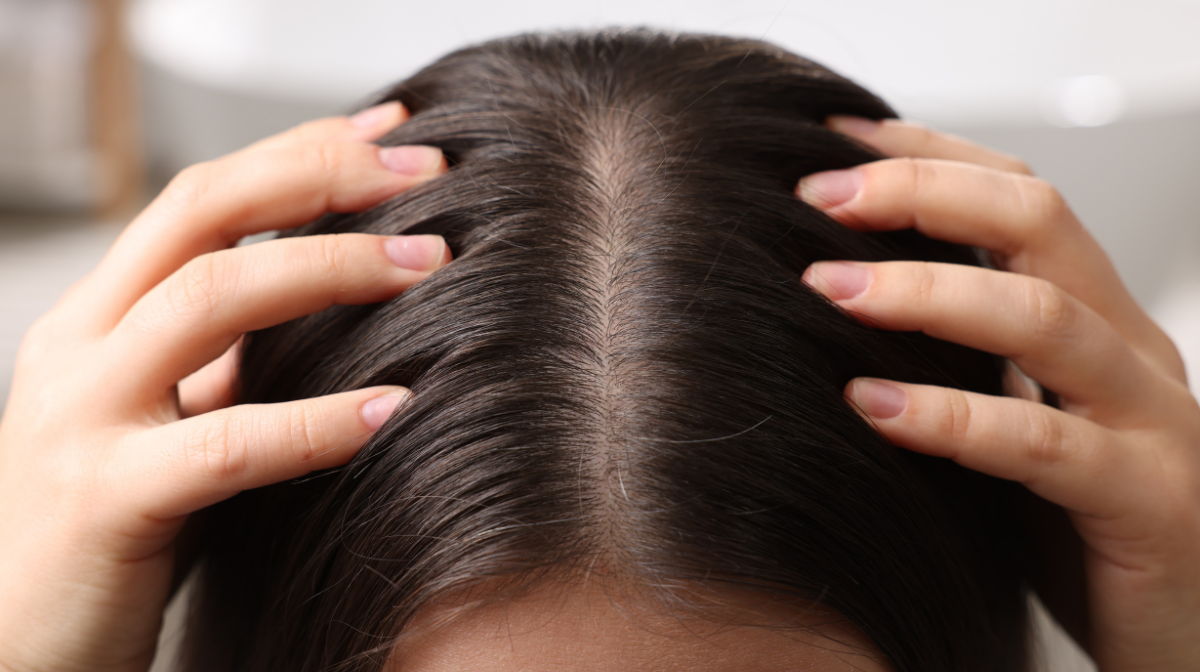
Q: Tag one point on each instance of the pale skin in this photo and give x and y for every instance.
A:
(121, 420)
(598, 625)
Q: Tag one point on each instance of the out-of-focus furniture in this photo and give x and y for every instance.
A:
(68, 113)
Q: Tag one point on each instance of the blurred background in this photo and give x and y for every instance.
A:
(102, 101)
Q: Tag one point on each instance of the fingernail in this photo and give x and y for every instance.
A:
(838, 280)
(856, 126)
(830, 188)
(878, 399)
(376, 411)
(374, 116)
(416, 253)
(411, 159)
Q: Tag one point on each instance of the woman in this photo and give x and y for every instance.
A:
(667, 448)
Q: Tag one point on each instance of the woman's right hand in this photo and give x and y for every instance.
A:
(1122, 452)
(103, 454)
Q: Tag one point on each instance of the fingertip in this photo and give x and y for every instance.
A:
(838, 280)
(376, 411)
(380, 118)
(878, 399)
(417, 253)
(830, 188)
(414, 160)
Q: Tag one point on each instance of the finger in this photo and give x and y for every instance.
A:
(1011, 215)
(212, 387)
(197, 313)
(1061, 457)
(1052, 337)
(184, 466)
(894, 137)
(279, 185)
(365, 126)
(1021, 219)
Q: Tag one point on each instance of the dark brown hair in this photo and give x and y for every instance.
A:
(621, 365)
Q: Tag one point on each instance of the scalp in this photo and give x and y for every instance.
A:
(621, 368)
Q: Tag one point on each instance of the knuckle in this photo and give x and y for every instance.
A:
(252, 439)
(304, 432)
(322, 157)
(924, 177)
(957, 418)
(1045, 445)
(1042, 204)
(38, 340)
(220, 450)
(1052, 313)
(910, 173)
(189, 185)
(331, 255)
(923, 283)
(196, 288)
(921, 138)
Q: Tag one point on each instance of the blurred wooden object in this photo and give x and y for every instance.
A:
(115, 115)
(69, 128)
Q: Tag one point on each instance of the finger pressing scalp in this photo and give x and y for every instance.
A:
(278, 186)
(202, 460)
(1053, 337)
(382, 117)
(197, 313)
(895, 137)
(831, 188)
(413, 160)
(949, 200)
(1061, 457)
(365, 126)
(1024, 221)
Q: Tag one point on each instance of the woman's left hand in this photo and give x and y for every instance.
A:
(1122, 456)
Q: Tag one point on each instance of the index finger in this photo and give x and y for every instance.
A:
(897, 138)
(1022, 220)
(282, 182)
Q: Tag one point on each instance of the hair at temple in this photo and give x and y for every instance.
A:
(621, 371)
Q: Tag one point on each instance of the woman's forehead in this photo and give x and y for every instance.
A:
(590, 628)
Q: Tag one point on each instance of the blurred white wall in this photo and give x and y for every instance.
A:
(1101, 97)
(46, 154)
(949, 61)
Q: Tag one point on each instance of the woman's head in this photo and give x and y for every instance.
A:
(621, 387)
